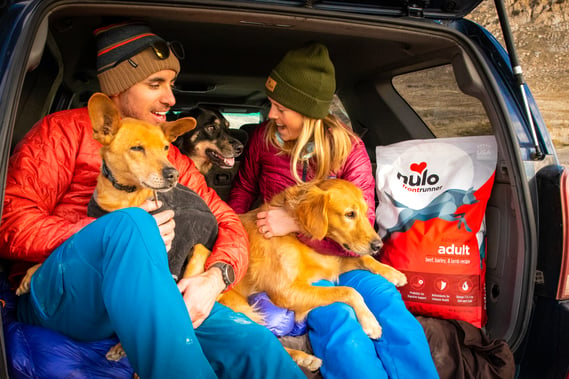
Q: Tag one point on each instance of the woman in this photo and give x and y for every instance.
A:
(302, 142)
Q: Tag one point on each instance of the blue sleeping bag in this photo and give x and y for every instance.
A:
(36, 352)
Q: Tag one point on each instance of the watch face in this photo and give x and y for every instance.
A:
(230, 273)
(227, 273)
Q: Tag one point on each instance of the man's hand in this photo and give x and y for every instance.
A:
(164, 219)
(276, 222)
(200, 293)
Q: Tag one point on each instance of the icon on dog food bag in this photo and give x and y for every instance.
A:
(432, 196)
(417, 282)
(441, 285)
(465, 286)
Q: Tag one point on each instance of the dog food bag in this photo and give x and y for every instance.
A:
(432, 199)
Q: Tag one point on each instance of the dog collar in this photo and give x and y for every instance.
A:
(109, 175)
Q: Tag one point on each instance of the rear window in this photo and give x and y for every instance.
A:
(448, 112)
(237, 119)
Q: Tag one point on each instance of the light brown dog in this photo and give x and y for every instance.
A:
(135, 166)
(285, 268)
(136, 153)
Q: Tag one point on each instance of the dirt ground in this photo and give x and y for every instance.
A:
(541, 36)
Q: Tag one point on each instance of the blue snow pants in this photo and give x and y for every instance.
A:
(112, 277)
(337, 338)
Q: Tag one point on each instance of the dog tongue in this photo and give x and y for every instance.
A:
(229, 161)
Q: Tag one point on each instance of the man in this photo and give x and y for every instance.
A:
(110, 275)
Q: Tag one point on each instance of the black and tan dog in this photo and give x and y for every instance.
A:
(211, 142)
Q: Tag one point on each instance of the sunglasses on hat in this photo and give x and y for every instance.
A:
(162, 51)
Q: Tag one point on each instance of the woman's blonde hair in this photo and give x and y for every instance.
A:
(327, 142)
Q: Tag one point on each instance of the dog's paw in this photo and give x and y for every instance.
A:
(310, 362)
(371, 326)
(25, 284)
(396, 277)
(306, 360)
(23, 288)
(115, 353)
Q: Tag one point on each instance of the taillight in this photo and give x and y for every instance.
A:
(552, 279)
(563, 282)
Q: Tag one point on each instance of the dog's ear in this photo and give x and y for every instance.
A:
(312, 212)
(174, 129)
(105, 117)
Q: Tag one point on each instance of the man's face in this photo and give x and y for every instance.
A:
(150, 99)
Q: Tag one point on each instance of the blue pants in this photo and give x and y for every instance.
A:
(112, 277)
(337, 338)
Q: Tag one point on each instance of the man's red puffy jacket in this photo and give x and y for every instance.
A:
(51, 177)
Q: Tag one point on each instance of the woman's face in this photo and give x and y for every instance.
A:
(289, 123)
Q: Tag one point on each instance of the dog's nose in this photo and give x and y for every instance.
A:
(170, 174)
(237, 147)
(376, 245)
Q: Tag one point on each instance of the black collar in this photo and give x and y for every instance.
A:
(109, 175)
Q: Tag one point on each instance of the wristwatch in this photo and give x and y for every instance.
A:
(227, 273)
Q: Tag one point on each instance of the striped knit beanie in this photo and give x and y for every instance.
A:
(304, 81)
(125, 56)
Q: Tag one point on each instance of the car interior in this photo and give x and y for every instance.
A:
(395, 82)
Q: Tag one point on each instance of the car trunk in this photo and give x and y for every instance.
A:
(231, 47)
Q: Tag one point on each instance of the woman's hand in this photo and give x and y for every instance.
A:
(276, 222)
(164, 219)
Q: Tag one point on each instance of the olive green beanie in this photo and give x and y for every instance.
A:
(304, 81)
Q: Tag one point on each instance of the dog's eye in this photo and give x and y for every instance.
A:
(137, 148)
(351, 214)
